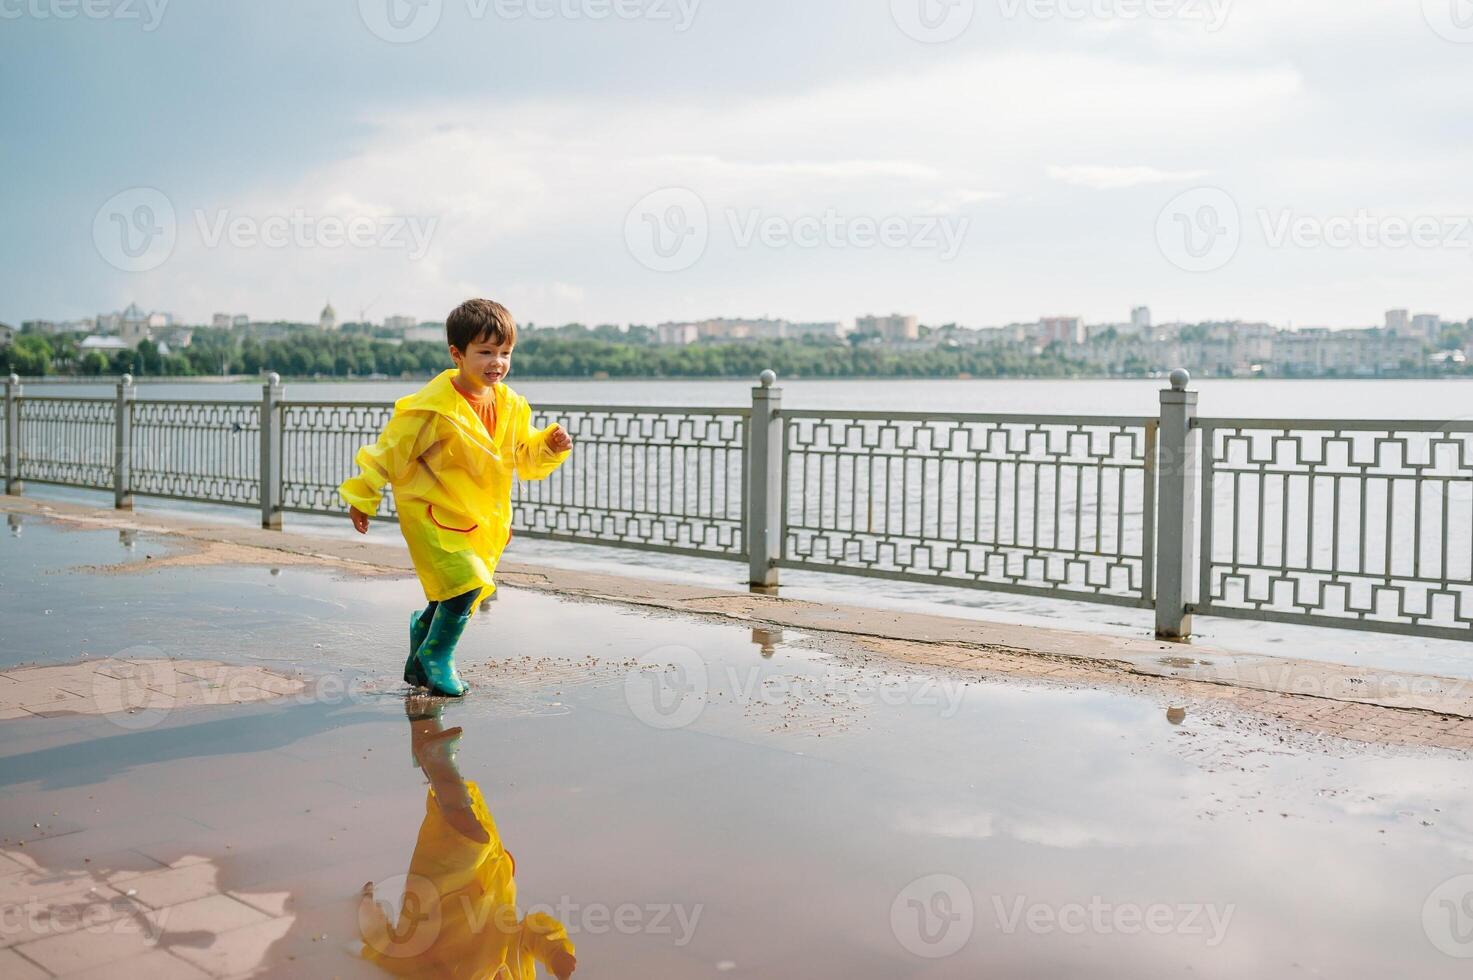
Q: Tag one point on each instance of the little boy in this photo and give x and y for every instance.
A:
(450, 452)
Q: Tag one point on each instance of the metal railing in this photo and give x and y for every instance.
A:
(1359, 524)
(1045, 505)
(1363, 524)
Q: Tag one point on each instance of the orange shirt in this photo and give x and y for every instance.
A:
(484, 407)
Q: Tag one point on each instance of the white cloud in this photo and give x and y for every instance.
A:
(1114, 178)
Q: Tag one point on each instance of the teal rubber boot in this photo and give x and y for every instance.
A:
(436, 654)
(414, 674)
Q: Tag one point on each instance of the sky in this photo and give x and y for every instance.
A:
(980, 162)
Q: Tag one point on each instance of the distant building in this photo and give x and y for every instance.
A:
(7, 334)
(1428, 326)
(98, 342)
(1318, 351)
(176, 337)
(1064, 329)
(677, 333)
(221, 321)
(1397, 321)
(400, 323)
(1140, 319)
(328, 320)
(892, 327)
(240, 320)
(732, 329)
(824, 328)
(135, 326)
(431, 333)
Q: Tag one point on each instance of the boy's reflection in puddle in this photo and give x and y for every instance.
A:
(458, 914)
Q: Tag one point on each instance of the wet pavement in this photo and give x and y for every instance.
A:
(687, 798)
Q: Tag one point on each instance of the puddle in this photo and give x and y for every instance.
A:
(687, 798)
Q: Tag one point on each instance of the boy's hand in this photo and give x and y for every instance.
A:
(360, 520)
(558, 439)
(562, 964)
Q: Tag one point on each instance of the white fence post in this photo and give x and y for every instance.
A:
(765, 482)
(1176, 505)
(123, 444)
(270, 475)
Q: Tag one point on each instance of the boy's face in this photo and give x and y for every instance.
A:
(484, 362)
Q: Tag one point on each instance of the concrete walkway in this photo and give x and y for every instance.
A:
(1365, 705)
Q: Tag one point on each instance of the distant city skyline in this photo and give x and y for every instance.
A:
(1015, 164)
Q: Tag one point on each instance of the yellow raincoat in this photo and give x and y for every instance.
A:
(459, 915)
(452, 482)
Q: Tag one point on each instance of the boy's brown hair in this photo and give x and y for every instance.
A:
(480, 320)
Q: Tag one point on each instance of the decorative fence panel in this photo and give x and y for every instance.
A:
(318, 443)
(204, 450)
(66, 441)
(668, 479)
(1361, 524)
(1039, 504)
